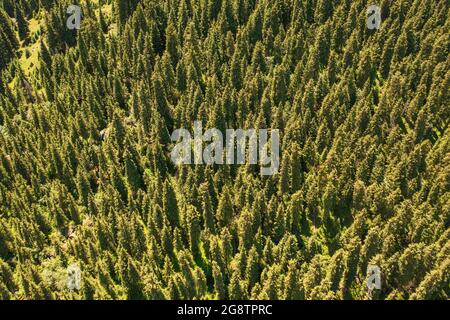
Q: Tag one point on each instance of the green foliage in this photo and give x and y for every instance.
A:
(85, 170)
(8, 40)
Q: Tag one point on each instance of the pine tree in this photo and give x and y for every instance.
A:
(22, 24)
(219, 286)
(132, 173)
(119, 95)
(170, 205)
(235, 289)
(224, 212)
(121, 12)
(8, 40)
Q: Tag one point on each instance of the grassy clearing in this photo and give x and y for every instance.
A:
(29, 55)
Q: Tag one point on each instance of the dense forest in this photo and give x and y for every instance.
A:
(86, 117)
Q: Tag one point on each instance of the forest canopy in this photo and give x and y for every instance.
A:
(86, 178)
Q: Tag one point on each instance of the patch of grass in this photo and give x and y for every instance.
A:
(29, 58)
(29, 55)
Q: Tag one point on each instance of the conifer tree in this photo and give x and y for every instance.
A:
(22, 24)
